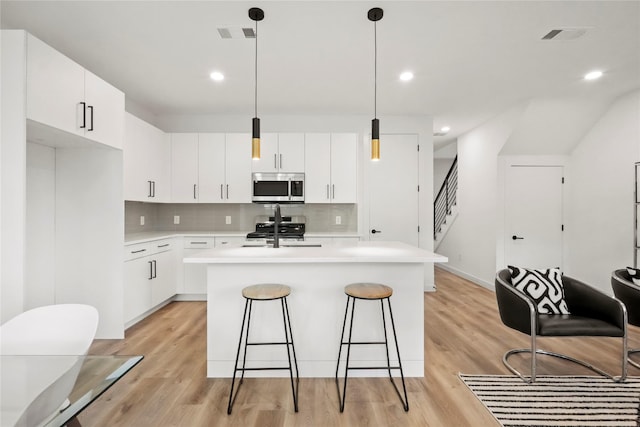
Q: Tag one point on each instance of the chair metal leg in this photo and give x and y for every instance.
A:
(633, 362)
(235, 366)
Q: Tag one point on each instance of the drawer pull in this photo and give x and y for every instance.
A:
(138, 251)
(163, 246)
(198, 243)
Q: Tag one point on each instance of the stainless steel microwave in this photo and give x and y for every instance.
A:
(277, 187)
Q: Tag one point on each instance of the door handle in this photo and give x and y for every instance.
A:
(514, 237)
(374, 231)
(194, 191)
(280, 161)
(84, 115)
(90, 107)
(150, 270)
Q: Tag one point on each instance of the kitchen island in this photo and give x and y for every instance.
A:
(317, 276)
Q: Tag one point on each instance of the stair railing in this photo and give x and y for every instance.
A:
(446, 198)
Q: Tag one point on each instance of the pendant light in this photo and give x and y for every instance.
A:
(256, 14)
(374, 15)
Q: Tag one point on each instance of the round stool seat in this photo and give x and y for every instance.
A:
(266, 291)
(368, 290)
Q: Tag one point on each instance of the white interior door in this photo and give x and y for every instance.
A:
(533, 216)
(393, 190)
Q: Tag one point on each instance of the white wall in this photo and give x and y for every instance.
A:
(470, 244)
(40, 227)
(13, 171)
(600, 231)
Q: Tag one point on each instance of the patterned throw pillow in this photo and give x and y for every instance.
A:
(543, 286)
(634, 273)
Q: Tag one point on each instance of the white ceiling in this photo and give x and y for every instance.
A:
(471, 59)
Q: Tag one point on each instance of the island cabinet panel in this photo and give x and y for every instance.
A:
(63, 95)
(146, 162)
(330, 167)
(280, 152)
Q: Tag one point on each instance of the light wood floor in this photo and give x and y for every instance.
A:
(463, 334)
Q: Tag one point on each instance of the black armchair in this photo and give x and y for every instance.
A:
(629, 293)
(593, 313)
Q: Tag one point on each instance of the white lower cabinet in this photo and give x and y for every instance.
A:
(149, 277)
(195, 275)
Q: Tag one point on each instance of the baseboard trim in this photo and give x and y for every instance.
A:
(467, 276)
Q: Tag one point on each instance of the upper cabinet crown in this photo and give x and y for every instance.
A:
(283, 152)
(63, 95)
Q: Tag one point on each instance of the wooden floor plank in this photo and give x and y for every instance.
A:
(463, 334)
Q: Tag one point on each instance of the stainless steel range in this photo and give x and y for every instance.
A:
(287, 229)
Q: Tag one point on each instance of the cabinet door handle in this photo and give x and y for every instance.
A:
(227, 191)
(194, 191)
(90, 107)
(221, 193)
(155, 268)
(327, 191)
(333, 191)
(275, 161)
(150, 269)
(138, 251)
(153, 185)
(84, 115)
(150, 193)
(280, 161)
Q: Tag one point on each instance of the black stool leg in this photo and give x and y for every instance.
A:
(405, 402)
(235, 366)
(348, 343)
(289, 334)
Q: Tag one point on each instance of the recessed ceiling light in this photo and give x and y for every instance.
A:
(406, 76)
(593, 75)
(217, 76)
(445, 129)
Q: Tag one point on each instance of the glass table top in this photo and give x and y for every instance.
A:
(51, 390)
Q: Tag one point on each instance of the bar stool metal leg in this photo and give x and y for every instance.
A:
(405, 402)
(235, 366)
(342, 397)
(287, 334)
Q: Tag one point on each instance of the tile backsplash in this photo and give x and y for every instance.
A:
(243, 216)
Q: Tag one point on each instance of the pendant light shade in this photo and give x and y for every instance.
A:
(374, 15)
(256, 14)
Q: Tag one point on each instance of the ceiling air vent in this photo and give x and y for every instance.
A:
(565, 34)
(439, 133)
(236, 33)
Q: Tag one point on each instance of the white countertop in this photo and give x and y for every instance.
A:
(357, 252)
(147, 236)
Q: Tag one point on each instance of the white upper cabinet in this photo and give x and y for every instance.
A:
(343, 168)
(211, 168)
(184, 167)
(65, 96)
(330, 167)
(146, 162)
(282, 152)
(238, 168)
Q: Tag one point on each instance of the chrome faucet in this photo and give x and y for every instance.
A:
(277, 219)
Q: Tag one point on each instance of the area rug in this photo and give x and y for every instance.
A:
(558, 401)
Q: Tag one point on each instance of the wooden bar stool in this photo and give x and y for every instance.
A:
(265, 292)
(371, 292)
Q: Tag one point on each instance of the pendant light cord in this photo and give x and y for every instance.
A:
(256, 74)
(375, 70)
